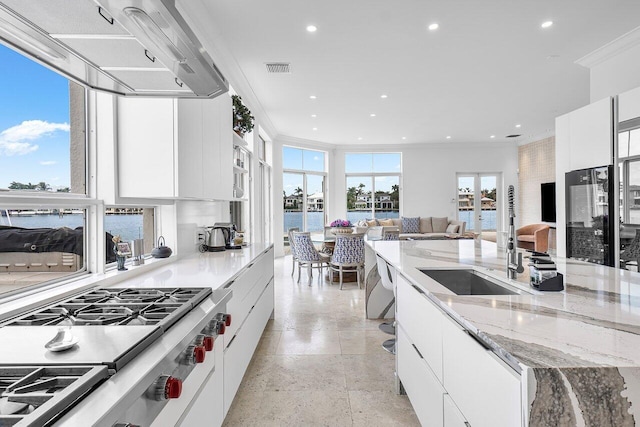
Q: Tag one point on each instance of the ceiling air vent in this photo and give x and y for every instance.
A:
(278, 68)
(512, 136)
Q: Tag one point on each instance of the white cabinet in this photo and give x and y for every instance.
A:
(170, 148)
(145, 147)
(486, 390)
(251, 306)
(422, 387)
(422, 321)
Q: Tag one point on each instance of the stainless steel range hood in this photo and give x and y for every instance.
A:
(128, 47)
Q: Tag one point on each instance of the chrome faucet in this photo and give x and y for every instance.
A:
(513, 267)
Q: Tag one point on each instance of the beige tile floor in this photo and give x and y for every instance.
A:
(319, 363)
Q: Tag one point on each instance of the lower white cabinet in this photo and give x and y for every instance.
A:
(421, 385)
(451, 379)
(452, 415)
(240, 349)
(486, 390)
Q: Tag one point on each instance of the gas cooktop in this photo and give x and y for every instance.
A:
(36, 395)
(128, 306)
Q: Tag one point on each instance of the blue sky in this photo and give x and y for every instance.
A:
(34, 122)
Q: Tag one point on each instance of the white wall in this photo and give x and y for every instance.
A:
(615, 75)
(191, 216)
(428, 186)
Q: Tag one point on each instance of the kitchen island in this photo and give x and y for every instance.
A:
(534, 358)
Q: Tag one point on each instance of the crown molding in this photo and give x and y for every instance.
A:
(611, 49)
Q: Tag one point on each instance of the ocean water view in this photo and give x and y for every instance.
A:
(315, 220)
(128, 226)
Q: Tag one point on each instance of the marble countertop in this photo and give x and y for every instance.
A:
(595, 322)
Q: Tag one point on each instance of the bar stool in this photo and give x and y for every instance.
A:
(387, 283)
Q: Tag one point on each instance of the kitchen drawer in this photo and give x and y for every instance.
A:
(423, 388)
(452, 415)
(484, 388)
(422, 321)
(246, 288)
(239, 351)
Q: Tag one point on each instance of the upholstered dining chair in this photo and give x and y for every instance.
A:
(292, 246)
(348, 255)
(631, 254)
(308, 256)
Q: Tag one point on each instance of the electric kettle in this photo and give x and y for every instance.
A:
(218, 237)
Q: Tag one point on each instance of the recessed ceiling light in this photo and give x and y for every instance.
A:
(518, 125)
(315, 128)
(383, 96)
(546, 24)
(372, 114)
(312, 28)
(404, 137)
(448, 136)
(433, 26)
(312, 97)
(314, 116)
(492, 136)
(359, 138)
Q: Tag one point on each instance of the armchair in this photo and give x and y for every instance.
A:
(534, 237)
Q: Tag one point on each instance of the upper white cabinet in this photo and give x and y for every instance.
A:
(170, 148)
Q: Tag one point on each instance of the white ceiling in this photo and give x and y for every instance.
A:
(487, 68)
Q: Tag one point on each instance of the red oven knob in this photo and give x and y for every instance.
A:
(199, 354)
(221, 328)
(168, 388)
(208, 343)
(224, 317)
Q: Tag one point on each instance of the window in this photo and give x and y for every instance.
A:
(304, 195)
(373, 185)
(130, 223)
(629, 163)
(43, 231)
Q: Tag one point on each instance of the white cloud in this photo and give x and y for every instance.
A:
(48, 162)
(17, 140)
(316, 158)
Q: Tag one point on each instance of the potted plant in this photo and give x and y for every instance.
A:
(341, 226)
(242, 118)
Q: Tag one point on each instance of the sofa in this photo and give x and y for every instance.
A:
(534, 237)
(428, 227)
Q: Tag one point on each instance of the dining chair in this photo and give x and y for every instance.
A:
(348, 255)
(308, 256)
(292, 246)
(631, 253)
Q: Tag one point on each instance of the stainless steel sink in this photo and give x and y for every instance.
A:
(469, 282)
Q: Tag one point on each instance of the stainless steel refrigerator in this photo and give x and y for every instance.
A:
(590, 233)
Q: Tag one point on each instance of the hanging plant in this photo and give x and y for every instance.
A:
(242, 118)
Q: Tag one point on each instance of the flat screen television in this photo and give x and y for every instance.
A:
(548, 201)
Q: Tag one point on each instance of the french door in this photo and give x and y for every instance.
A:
(479, 201)
(304, 202)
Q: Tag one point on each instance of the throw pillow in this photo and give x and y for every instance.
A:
(440, 224)
(453, 228)
(411, 225)
(372, 222)
(425, 225)
(386, 222)
(362, 223)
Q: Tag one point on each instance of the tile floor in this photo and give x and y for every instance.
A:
(319, 362)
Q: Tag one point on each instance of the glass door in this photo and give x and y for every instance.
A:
(314, 206)
(292, 193)
(478, 201)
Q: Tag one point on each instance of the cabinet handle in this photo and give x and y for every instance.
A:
(149, 56)
(249, 266)
(467, 424)
(418, 289)
(232, 339)
(228, 285)
(417, 351)
(106, 18)
(479, 341)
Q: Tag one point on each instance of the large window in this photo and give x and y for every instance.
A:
(129, 223)
(42, 173)
(304, 192)
(373, 185)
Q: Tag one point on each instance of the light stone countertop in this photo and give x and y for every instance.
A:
(595, 322)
